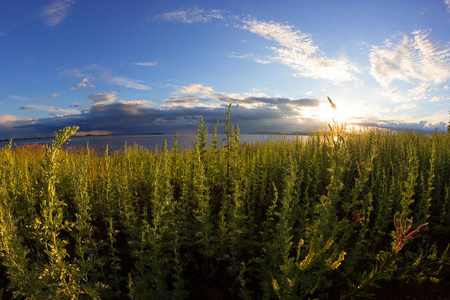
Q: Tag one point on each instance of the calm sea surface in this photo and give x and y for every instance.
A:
(118, 142)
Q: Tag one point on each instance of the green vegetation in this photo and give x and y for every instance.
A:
(339, 215)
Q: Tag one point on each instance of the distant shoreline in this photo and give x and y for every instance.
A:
(83, 135)
(156, 133)
(281, 133)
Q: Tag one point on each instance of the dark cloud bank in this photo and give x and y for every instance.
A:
(136, 117)
(130, 117)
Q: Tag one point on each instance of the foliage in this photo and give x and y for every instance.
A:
(279, 219)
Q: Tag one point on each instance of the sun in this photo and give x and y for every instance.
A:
(349, 113)
(342, 114)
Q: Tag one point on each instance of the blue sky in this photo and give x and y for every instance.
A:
(138, 66)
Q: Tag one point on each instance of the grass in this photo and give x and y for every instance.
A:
(301, 219)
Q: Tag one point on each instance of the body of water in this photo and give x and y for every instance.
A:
(118, 142)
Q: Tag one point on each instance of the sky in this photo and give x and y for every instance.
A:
(138, 66)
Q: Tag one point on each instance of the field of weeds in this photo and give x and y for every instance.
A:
(339, 215)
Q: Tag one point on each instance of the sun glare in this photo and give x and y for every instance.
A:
(342, 114)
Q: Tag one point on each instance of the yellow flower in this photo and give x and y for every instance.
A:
(275, 285)
(338, 262)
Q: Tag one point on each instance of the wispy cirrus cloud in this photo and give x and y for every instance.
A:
(406, 106)
(57, 11)
(447, 2)
(250, 57)
(297, 50)
(440, 98)
(129, 83)
(97, 73)
(147, 64)
(413, 64)
(410, 57)
(21, 98)
(51, 109)
(80, 72)
(192, 15)
(418, 92)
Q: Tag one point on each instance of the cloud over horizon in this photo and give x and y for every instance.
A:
(102, 98)
(180, 114)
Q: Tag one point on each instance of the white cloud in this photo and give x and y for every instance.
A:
(437, 98)
(440, 116)
(82, 85)
(57, 11)
(250, 57)
(409, 58)
(9, 120)
(197, 95)
(418, 92)
(395, 95)
(256, 93)
(103, 98)
(54, 95)
(143, 103)
(298, 51)
(196, 89)
(147, 64)
(81, 72)
(134, 107)
(423, 11)
(423, 125)
(447, 2)
(19, 97)
(245, 56)
(51, 109)
(406, 106)
(129, 83)
(261, 61)
(194, 15)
